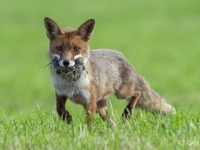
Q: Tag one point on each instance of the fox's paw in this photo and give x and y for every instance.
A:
(68, 118)
(127, 113)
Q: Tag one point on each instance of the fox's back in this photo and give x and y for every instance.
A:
(106, 61)
(111, 70)
(110, 62)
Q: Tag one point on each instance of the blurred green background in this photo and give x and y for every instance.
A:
(160, 38)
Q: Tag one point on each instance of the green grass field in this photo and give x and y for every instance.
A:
(161, 40)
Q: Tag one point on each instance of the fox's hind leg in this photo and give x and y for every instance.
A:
(60, 106)
(103, 111)
(131, 105)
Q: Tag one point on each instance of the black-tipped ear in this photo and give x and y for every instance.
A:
(86, 29)
(52, 28)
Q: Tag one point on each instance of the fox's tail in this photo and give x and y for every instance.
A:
(151, 100)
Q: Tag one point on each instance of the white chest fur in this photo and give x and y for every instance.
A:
(75, 90)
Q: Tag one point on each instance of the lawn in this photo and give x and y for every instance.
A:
(161, 40)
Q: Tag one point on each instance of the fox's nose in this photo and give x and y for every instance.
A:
(66, 63)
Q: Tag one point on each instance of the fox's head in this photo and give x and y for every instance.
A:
(67, 45)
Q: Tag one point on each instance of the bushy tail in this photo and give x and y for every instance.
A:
(151, 100)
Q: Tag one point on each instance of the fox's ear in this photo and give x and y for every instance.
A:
(52, 28)
(86, 29)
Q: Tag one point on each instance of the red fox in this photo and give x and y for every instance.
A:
(88, 77)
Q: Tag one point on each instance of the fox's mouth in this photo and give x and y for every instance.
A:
(72, 67)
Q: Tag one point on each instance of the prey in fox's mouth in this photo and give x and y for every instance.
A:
(74, 68)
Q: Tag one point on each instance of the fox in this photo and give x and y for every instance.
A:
(103, 72)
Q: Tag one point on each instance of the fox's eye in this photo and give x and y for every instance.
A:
(76, 49)
(59, 48)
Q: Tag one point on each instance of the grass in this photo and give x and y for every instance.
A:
(161, 40)
(41, 130)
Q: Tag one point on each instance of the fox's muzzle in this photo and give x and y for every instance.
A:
(63, 63)
(66, 63)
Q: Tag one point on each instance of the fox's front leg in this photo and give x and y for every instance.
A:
(91, 109)
(60, 107)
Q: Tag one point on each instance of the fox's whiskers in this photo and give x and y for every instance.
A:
(47, 65)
